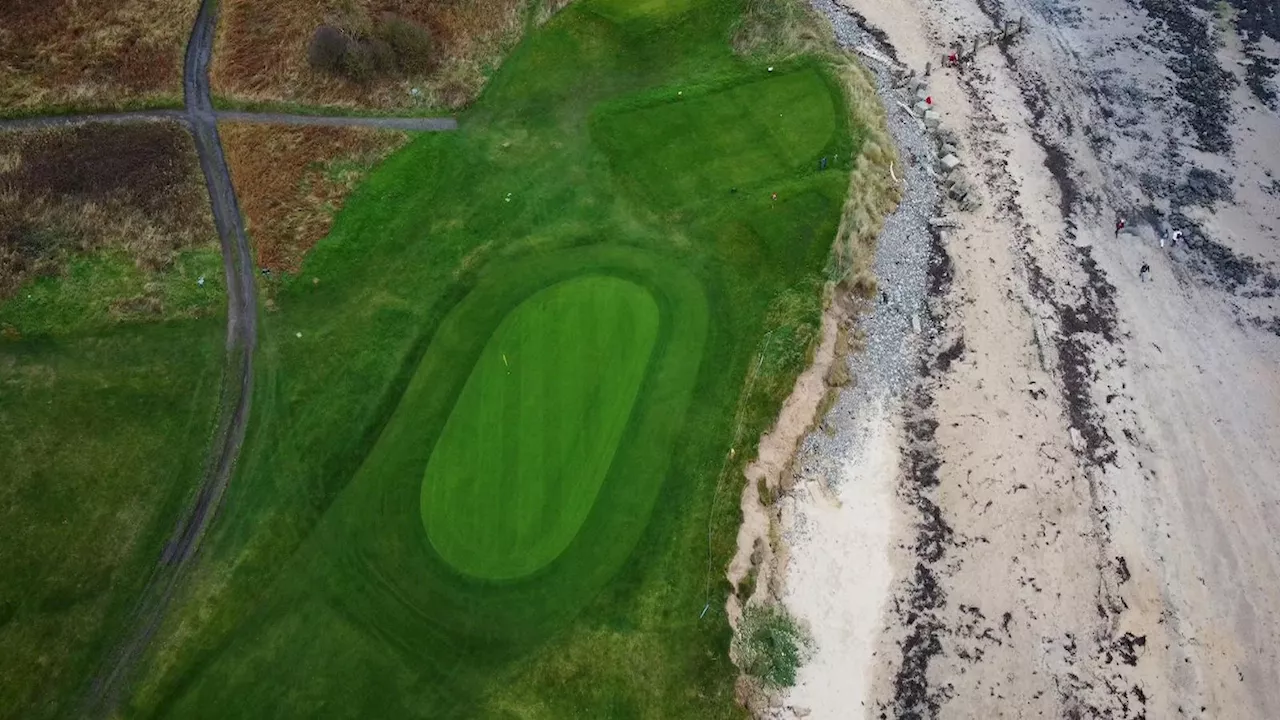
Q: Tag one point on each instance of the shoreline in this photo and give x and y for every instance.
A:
(838, 512)
(1080, 460)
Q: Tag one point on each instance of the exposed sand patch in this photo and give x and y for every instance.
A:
(839, 575)
(777, 448)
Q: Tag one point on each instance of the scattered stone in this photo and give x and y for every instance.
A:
(1077, 440)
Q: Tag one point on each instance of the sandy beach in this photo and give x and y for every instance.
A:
(1061, 496)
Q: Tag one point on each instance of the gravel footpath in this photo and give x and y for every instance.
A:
(886, 366)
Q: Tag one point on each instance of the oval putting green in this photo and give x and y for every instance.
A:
(529, 442)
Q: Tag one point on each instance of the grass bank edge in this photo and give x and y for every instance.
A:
(777, 645)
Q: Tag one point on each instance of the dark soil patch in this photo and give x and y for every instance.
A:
(944, 360)
(141, 164)
(1256, 19)
(1229, 270)
(1094, 315)
(1202, 188)
(1259, 74)
(1271, 325)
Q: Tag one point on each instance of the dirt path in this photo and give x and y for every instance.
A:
(237, 388)
(113, 678)
(386, 123)
(1088, 501)
(118, 118)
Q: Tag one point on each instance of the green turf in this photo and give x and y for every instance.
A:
(412, 532)
(102, 435)
(525, 450)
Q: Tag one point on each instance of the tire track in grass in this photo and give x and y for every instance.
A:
(237, 385)
(105, 688)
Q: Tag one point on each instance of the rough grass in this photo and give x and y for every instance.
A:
(873, 193)
(68, 55)
(292, 181)
(261, 51)
(103, 223)
(102, 436)
(770, 645)
(318, 592)
(104, 418)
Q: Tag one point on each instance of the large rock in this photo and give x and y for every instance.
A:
(949, 162)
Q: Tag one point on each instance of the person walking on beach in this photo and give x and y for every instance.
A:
(1174, 238)
(1144, 272)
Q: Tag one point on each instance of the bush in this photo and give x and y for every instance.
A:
(382, 55)
(395, 45)
(765, 492)
(770, 645)
(410, 44)
(328, 49)
(358, 65)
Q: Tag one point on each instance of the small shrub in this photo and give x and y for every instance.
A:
(354, 51)
(381, 55)
(838, 374)
(328, 49)
(765, 492)
(410, 45)
(864, 285)
(770, 645)
(359, 63)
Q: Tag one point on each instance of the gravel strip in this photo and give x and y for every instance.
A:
(885, 368)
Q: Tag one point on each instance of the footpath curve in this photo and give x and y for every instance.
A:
(237, 383)
(112, 679)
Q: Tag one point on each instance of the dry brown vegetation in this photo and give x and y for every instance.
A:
(137, 189)
(292, 181)
(261, 55)
(86, 54)
(873, 193)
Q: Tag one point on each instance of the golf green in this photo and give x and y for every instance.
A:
(527, 446)
(501, 410)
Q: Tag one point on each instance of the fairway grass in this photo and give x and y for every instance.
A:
(496, 405)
